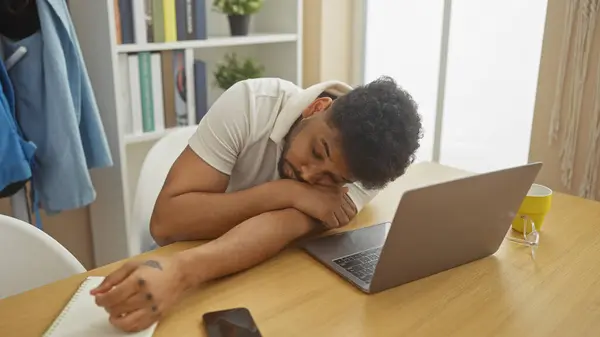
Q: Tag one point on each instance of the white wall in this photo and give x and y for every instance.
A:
(328, 41)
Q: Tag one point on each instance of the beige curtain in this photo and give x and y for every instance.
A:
(568, 99)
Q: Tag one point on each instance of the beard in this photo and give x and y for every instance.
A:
(289, 138)
(282, 161)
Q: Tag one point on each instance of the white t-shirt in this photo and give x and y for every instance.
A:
(242, 135)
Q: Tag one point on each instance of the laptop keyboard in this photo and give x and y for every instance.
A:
(362, 264)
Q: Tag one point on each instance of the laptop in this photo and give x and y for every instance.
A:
(435, 228)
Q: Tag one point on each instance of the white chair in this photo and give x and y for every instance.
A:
(30, 258)
(152, 176)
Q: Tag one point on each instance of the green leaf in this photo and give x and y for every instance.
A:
(231, 70)
(238, 7)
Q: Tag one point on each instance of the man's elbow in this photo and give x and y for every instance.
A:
(159, 228)
(166, 227)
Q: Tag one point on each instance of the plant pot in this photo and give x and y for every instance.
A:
(238, 24)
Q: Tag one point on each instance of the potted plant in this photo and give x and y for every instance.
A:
(232, 70)
(238, 12)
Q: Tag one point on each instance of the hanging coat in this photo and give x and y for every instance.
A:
(57, 110)
(16, 154)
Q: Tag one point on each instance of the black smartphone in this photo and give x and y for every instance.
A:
(235, 322)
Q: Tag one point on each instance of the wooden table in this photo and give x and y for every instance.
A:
(507, 294)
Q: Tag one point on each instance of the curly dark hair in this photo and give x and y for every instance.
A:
(380, 131)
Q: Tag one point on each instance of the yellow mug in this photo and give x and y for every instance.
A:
(534, 208)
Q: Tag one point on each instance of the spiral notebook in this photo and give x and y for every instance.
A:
(82, 317)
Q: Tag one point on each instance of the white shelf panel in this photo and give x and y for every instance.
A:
(148, 136)
(211, 42)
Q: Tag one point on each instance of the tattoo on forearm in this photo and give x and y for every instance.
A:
(153, 264)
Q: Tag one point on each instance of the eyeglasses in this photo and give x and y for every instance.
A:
(531, 236)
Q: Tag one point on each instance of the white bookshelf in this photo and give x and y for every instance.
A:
(212, 42)
(275, 40)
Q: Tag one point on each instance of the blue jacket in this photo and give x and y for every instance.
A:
(16, 154)
(57, 111)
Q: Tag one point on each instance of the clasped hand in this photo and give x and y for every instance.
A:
(329, 204)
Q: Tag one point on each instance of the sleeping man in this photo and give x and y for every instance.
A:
(268, 164)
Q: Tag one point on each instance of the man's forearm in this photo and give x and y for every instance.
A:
(199, 215)
(246, 245)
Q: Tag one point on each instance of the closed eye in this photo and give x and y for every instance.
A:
(326, 147)
(316, 154)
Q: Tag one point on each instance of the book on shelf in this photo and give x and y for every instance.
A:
(154, 94)
(125, 9)
(157, 92)
(118, 22)
(146, 92)
(179, 72)
(170, 21)
(200, 89)
(155, 21)
(158, 21)
(181, 19)
(148, 20)
(168, 88)
(135, 126)
(139, 20)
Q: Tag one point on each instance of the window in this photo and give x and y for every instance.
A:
(402, 40)
(493, 56)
